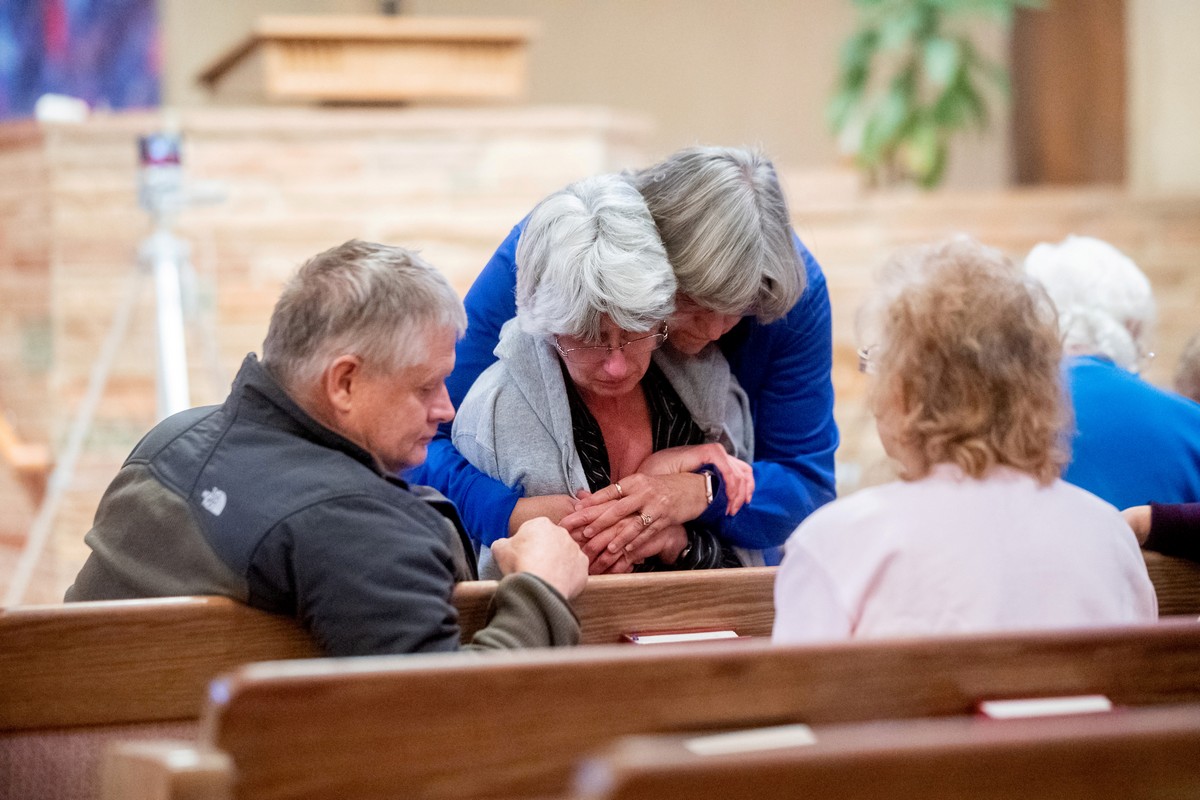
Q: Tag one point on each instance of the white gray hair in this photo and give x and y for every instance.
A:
(1105, 304)
(724, 220)
(371, 300)
(588, 250)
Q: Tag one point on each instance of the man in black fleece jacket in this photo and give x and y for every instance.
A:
(286, 496)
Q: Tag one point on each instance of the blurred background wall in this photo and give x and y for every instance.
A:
(761, 71)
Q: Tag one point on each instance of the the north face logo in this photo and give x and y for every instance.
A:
(213, 501)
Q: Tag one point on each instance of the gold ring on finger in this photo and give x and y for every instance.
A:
(646, 519)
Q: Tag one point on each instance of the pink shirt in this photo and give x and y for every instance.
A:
(949, 553)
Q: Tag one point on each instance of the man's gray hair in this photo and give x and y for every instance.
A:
(371, 300)
(725, 223)
(1105, 304)
(588, 250)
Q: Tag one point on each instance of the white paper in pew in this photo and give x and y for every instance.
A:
(1045, 706)
(751, 740)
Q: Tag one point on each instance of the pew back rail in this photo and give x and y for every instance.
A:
(300, 730)
(1120, 755)
(131, 661)
(740, 600)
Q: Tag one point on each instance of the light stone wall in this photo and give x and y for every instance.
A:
(449, 182)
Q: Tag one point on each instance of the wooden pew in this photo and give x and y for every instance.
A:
(128, 661)
(75, 677)
(741, 600)
(150, 660)
(1176, 582)
(512, 725)
(1122, 755)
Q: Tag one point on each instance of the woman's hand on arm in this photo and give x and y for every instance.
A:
(557, 506)
(665, 490)
(667, 499)
(737, 475)
(633, 516)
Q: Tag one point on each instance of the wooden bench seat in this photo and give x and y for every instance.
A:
(79, 676)
(1126, 754)
(741, 600)
(514, 724)
(1176, 583)
(127, 661)
(151, 660)
(76, 677)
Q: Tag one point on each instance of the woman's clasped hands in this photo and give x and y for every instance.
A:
(642, 514)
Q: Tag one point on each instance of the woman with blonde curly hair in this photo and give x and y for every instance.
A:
(980, 533)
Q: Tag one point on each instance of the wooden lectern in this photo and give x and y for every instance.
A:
(365, 59)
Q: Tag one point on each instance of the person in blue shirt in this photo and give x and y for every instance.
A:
(1133, 443)
(747, 285)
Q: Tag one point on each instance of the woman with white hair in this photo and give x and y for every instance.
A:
(1134, 443)
(583, 394)
(980, 534)
(748, 289)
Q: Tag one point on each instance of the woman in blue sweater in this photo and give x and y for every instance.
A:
(747, 284)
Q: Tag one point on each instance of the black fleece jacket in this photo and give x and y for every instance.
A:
(255, 500)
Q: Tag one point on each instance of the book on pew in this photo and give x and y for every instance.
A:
(668, 637)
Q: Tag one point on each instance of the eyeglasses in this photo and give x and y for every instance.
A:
(865, 364)
(598, 354)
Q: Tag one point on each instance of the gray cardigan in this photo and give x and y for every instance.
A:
(515, 422)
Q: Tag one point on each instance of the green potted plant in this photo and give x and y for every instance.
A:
(909, 78)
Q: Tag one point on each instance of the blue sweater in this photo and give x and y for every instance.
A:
(1134, 443)
(783, 367)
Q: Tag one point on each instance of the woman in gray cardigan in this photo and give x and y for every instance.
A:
(584, 397)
